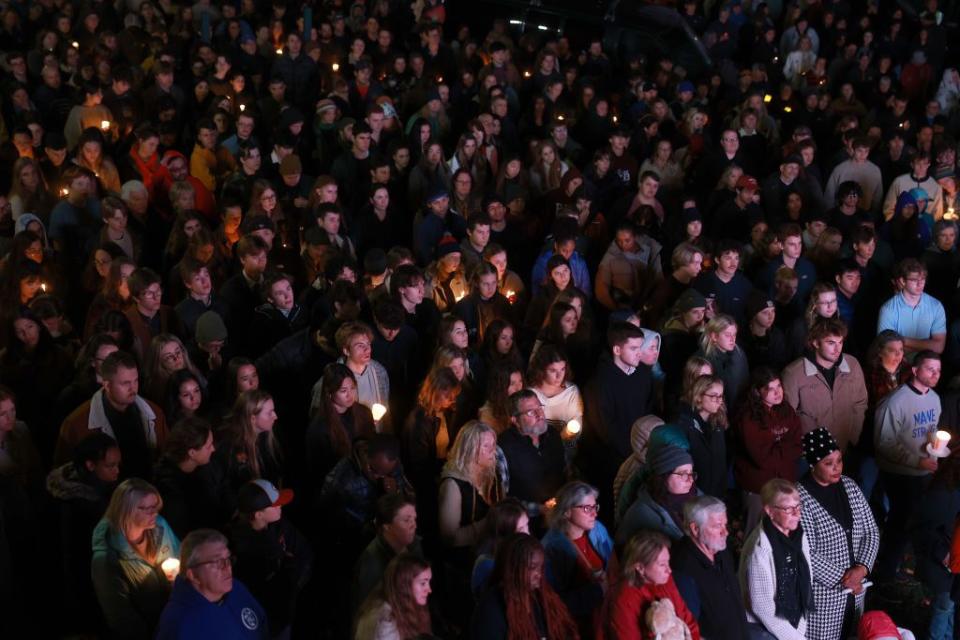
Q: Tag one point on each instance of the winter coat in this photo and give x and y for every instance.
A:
(758, 583)
(932, 533)
(830, 557)
(708, 449)
(766, 448)
(647, 514)
(732, 368)
(625, 608)
(840, 409)
(131, 591)
(563, 568)
(623, 278)
(91, 416)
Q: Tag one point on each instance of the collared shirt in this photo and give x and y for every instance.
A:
(921, 322)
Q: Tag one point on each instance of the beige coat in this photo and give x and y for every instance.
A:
(840, 409)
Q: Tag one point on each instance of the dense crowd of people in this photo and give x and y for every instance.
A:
(365, 320)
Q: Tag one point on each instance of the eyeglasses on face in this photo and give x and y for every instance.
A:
(589, 508)
(685, 475)
(791, 509)
(532, 413)
(713, 396)
(218, 563)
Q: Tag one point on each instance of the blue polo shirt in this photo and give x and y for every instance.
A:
(920, 322)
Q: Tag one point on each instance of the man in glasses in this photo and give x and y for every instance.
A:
(536, 466)
(206, 600)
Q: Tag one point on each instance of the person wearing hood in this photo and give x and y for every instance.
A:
(130, 544)
(669, 483)
(81, 490)
(908, 231)
(206, 601)
(918, 178)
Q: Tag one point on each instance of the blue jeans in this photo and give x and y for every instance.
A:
(941, 620)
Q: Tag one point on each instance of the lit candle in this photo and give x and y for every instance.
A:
(76, 45)
(950, 214)
(171, 568)
(573, 428)
(560, 117)
(335, 66)
(767, 98)
(279, 51)
(64, 192)
(378, 411)
(551, 503)
(439, 79)
(104, 124)
(511, 296)
(940, 441)
(788, 109)
(243, 108)
(614, 119)
(527, 74)
(43, 287)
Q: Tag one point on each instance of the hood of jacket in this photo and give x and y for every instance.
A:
(903, 200)
(64, 483)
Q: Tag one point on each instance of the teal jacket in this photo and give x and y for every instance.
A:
(131, 592)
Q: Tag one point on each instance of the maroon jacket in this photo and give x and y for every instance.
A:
(767, 448)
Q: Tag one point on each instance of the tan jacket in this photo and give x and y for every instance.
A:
(840, 409)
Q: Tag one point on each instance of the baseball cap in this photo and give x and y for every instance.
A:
(260, 494)
(748, 182)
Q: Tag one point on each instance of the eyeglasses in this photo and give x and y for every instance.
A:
(154, 508)
(713, 396)
(686, 475)
(219, 563)
(532, 413)
(792, 509)
(152, 293)
(589, 508)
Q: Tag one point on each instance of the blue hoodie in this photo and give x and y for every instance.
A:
(190, 616)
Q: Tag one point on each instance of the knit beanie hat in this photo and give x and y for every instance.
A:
(817, 445)
(757, 301)
(210, 328)
(690, 299)
(447, 245)
(290, 166)
(667, 458)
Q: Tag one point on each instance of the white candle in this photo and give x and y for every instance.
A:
(335, 66)
(104, 124)
(171, 568)
(573, 427)
(941, 440)
(378, 411)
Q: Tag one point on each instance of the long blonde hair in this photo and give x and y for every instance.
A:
(123, 507)
(462, 460)
(716, 325)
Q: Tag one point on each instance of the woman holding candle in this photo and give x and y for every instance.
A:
(130, 544)
(339, 420)
(548, 377)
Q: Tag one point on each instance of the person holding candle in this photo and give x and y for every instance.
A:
(129, 545)
(549, 378)
(905, 427)
(536, 466)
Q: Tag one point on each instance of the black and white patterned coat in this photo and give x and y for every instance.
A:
(830, 555)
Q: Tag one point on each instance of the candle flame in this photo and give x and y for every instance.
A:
(573, 427)
(335, 66)
(104, 124)
(378, 411)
